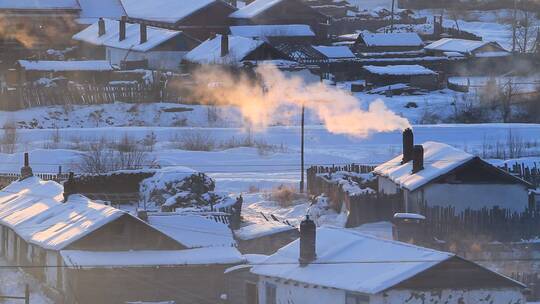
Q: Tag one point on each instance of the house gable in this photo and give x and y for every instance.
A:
(125, 233)
(457, 273)
(215, 14)
(286, 12)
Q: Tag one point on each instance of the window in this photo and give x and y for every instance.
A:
(270, 293)
(354, 298)
(252, 296)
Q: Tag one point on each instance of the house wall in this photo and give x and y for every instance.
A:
(289, 293)
(158, 60)
(475, 196)
(387, 186)
(11, 246)
(450, 296)
(236, 283)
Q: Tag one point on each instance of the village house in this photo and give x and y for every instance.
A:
(467, 48)
(332, 265)
(281, 12)
(90, 71)
(95, 253)
(134, 45)
(413, 75)
(395, 43)
(197, 18)
(232, 51)
(436, 174)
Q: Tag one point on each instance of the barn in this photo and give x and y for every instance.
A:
(197, 18)
(343, 266)
(122, 43)
(87, 252)
(436, 174)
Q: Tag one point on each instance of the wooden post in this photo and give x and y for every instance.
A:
(26, 294)
(302, 151)
(392, 17)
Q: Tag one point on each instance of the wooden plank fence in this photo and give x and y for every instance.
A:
(88, 94)
(7, 178)
(532, 280)
(530, 174)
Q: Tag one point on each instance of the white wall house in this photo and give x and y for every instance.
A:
(163, 49)
(451, 177)
(355, 268)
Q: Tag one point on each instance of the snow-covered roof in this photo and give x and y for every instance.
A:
(40, 4)
(62, 66)
(209, 52)
(145, 258)
(91, 10)
(463, 46)
(261, 230)
(193, 231)
(34, 210)
(168, 11)
(285, 30)
(352, 261)
(413, 69)
(254, 8)
(334, 52)
(155, 36)
(439, 159)
(392, 39)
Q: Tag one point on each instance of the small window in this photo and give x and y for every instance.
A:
(270, 292)
(354, 298)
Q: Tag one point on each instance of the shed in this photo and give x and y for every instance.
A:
(159, 48)
(264, 237)
(351, 267)
(387, 42)
(451, 177)
(470, 48)
(335, 52)
(415, 75)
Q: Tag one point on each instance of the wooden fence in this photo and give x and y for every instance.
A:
(7, 178)
(532, 175)
(493, 224)
(88, 94)
(532, 280)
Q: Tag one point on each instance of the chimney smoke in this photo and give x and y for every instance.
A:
(308, 232)
(101, 27)
(408, 145)
(418, 158)
(144, 34)
(122, 29)
(224, 45)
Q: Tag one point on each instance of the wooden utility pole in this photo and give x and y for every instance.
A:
(392, 17)
(302, 150)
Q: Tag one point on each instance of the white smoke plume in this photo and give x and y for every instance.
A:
(260, 101)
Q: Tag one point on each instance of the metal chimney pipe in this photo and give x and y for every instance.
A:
(408, 145)
(101, 27)
(144, 33)
(26, 160)
(418, 159)
(308, 238)
(224, 45)
(122, 29)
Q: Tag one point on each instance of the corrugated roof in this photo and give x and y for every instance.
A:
(168, 11)
(254, 8)
(282, 30)
(40, 4)
(209, 52)
(392, 39)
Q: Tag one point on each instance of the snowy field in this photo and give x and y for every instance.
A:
(239, 168)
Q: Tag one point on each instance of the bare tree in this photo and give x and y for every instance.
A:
(524, 31)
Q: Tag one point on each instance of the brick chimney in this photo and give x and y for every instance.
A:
(144, 33)
(308, 238)
(101, 27)
(408, 145)
(224, 45)
(122, 29)
(69, 186)
(418, 158)
(26, 170)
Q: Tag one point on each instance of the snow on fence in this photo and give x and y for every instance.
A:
(8, 178)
